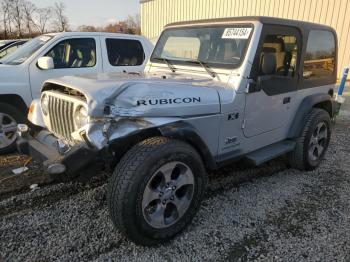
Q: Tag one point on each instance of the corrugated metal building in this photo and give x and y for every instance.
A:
(155, 14)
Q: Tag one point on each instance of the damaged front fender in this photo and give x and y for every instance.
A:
(101, 134)
(136, 129)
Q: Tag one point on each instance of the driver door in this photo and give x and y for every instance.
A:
(71, 56)
(269, 106)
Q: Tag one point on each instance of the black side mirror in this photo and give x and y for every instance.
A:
(253, 87)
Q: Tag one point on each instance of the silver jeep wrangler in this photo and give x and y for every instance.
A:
(213, 92)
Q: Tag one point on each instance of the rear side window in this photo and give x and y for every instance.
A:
(320, 57)
(74, 53)
(125, 52)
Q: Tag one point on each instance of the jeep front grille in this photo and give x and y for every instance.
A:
(61, 113)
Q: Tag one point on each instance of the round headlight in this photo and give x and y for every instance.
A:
(45, 104)
(81, 117)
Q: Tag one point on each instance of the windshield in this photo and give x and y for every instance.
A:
(26, 51)
(4, 42)
(8, 50)
(217, 46)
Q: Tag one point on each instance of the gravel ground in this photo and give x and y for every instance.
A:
(269, 213)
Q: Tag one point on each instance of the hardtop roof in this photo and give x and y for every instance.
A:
(262, 19)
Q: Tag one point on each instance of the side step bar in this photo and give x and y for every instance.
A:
(270, 152)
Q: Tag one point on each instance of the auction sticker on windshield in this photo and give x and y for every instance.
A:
(237, 33)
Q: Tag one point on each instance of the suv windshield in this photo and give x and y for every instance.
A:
(26, 51)
(216, 46)
(3, 42)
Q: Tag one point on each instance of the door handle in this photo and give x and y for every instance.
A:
(286, 100)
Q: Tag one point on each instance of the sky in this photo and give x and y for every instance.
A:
(95, 12)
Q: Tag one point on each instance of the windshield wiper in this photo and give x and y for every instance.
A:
(205, 66)
(167, 62)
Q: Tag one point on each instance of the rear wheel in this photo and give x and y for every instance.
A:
(313, 143)
(156, 190)
(9, 118)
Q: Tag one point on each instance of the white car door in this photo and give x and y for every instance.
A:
(123, 54)
(71, 56)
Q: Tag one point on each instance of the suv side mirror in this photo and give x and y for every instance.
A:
(46, 63)
(256, 86)
(253, 87)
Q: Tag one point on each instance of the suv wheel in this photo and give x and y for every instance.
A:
(9, 118)
(313, 143)
(156, 190)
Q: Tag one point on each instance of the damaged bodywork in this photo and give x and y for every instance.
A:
(212, 93)
(123, 106)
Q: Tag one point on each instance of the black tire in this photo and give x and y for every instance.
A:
(19, 117)
(129, 181)
(300, 157)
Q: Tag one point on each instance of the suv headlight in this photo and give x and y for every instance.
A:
(45, 104)
(81, 117)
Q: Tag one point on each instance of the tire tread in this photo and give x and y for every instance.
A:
(122, 178)
(298, 158)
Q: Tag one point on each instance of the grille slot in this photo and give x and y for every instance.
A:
(61, 114)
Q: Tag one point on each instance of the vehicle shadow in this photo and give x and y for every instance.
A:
(237, 174)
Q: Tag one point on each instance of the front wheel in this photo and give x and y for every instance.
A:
(156, 190)
(9, 118)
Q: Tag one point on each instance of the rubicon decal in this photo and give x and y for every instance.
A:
(168, 101)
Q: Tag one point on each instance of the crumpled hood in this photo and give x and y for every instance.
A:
(146, 95)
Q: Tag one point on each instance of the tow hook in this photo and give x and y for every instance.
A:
(22, 130)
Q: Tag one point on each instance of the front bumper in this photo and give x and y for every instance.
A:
(46, 148)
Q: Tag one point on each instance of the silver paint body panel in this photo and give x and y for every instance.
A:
(226, 118)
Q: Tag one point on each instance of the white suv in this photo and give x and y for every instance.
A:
(55, 55)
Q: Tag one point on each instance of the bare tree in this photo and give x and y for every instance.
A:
(88, 28)
(61, 21)
(29, 9)
(17, 15)
(133, 24)
(43, 16)
(6, 20)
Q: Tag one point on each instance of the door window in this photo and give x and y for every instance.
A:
(320, 55)
(284, 49)
(125, 52)
(74, 53)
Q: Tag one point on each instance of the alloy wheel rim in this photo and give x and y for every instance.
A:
(8, 128)
(168, 195)
(318, 141)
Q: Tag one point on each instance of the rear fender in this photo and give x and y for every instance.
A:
(323, 101)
